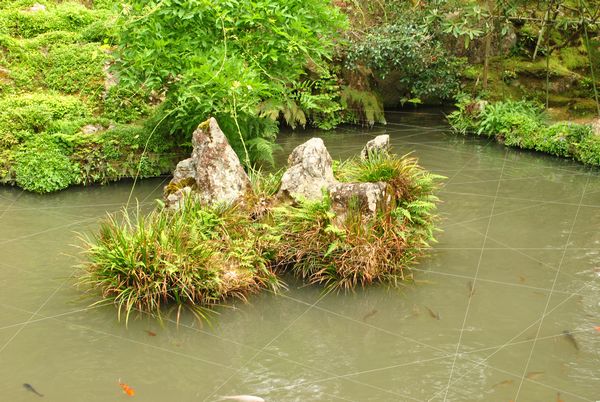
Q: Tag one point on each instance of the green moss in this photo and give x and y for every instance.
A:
(125, 106)
(76, 68)
(7, 161)
(573, 58)
(583, 106)
(51, 86)
(537, 68)
(37, 112)
(174, 187)
(71, 16)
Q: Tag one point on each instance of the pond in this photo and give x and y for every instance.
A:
(504, 306)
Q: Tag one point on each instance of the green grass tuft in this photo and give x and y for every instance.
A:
(194, 258)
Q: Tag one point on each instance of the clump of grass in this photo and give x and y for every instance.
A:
(192, 258)
(360, 251)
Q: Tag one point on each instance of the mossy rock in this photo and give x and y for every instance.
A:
(583, 106)
(174, 187)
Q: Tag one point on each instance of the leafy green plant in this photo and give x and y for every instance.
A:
(42, 167)
(408, 47)
(588, 150)
(562, 139)
(224, 57)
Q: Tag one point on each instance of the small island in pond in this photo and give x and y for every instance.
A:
(223, 233)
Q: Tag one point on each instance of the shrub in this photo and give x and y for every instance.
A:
(588, 151)
(562, 139)
(41, 166)
(193, 258)
(514, 123)
(226, 57)
(407, 46)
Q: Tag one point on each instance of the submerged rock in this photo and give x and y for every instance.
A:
(310, 172)
(381, 143)
(213, 173)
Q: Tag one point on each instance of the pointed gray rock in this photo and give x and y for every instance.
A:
(213, 174)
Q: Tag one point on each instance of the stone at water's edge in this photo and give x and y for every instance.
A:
(596, 126)
(213, 173)
(381, 143)
(310, 172)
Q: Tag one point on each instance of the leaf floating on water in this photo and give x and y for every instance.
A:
(503, 383)
(471, 288)
(244, 398)
(369, 314)
(150, 333)
(432, 313)
(533, 375)
(126, 389)
(597, 328)
(569, 336)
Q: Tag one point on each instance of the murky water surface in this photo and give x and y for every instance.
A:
(523, 227)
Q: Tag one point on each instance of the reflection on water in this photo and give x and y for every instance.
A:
(521, 237)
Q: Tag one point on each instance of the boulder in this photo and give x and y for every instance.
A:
(92, 128)
(213, 173)
(309, 171)
(381, 143)
(369, 197)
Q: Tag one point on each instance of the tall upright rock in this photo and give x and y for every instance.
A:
(213, 174)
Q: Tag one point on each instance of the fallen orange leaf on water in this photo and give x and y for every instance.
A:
(597, 328)
(127, 389)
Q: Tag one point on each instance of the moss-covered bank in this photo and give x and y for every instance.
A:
(525, 125)
(64, 120)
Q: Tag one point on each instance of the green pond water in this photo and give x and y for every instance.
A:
(524, 228)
